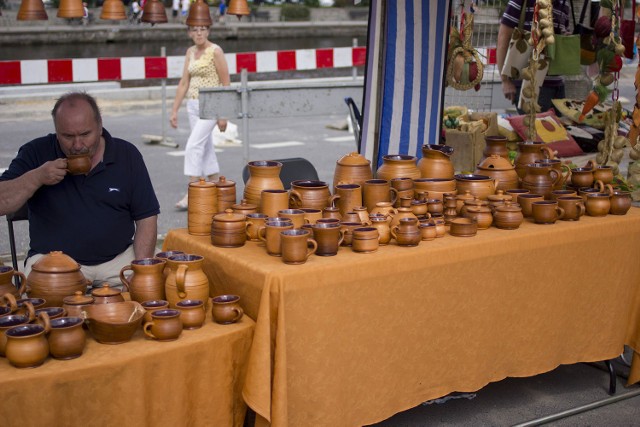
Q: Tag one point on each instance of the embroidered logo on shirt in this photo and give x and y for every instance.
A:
(111, 189)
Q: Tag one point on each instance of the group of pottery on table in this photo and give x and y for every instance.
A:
(168, 293)
(410, 200)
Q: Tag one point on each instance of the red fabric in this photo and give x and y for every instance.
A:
(549, 131)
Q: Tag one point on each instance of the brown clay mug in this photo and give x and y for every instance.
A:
(347, 230)
(347, 197)
(165, 325)
(295, 246)
(225, 309)
(328, 236)
(573, 207)
(555, 194)
(295, 215)
(151, 306)
(526, 200)
(598, 204)
(27, 345)
(620, 202)
(52, 312)
(378, 190)
(427, 230)
(311, 215)
(66, 338)
(12, 320)
(272, 201)
(78, 164)
(515, 192)
(546, 212)
(254, 222)
(192, 313)
(270, 234)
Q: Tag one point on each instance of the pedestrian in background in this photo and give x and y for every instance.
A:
(175, 8)
(204, 66)
(185, 10)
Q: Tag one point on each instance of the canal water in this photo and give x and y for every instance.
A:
(173, 47)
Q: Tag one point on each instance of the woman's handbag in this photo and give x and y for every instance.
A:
(587, 42)
(564, 54)
(519, 50)
(628, 29)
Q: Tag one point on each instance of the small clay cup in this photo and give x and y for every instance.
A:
(295, 246)
(165, 325)
(192, 313)
(329, 237)
(295, 215)
(560, 193)
(573, 207)
(272, 201)
(254, 222)
(427, 230)
(225, 309)
(365, 239)
(546, 212)
(27, 345)
(151, 306)
(270, 235)
(66, 338)
(311, 215)
(526, 200)
(598, 204)
(78, 164)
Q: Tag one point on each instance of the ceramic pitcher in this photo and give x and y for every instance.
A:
(186, 279)
(528, 153)
(6, 281)
(147, 281)
(263, 175)
(540, 179)
(436, 162)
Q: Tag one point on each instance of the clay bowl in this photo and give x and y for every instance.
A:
(463, 227)
(114, 323)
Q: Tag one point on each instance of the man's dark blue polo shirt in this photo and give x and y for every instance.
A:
(90, 218)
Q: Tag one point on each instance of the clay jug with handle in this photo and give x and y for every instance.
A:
(540, 179)
(147, 281)
(186, 279)
(6, 281)
(436, 162)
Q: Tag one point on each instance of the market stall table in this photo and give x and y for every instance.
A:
(195, 380)
(355, 338)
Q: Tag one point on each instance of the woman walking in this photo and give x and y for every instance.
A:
(204, 66)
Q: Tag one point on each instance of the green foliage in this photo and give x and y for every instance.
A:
(295, 12)
(312, 3)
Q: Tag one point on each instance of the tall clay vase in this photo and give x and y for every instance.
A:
(398, 166)
(6, 281)
(495, 145)
(263, 175)
(186, 279)
(352, 168)
(147, 281)
(436, 162)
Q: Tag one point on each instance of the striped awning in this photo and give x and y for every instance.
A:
(406, 56)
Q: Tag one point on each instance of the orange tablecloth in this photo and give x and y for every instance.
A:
(353, 339)
(195, 380)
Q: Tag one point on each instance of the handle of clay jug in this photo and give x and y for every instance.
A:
(239, 312)
(43, 319)
(590, 164)
(341, 239)
(246, 229)
(11, 300)
(123, 279)
(295, 199)
(332, 200)
(548, 152)
(599, 185)
(394, 196)
(581, 210)
(393, 232)
(31, 312)
(313, 249)
(553, 172)
(560, 212)
(607, 189)
(181, 274)
(147, 332)
(23, 282)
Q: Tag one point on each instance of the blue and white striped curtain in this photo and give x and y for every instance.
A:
(407, 50)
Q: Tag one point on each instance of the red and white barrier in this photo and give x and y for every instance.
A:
(42, 71)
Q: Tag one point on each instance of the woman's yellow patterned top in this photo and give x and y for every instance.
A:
(202, 71)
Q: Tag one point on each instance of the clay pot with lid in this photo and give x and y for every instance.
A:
(481, 215)
(75, 304)
(480, 186)
(55, 276)
(498, 199)
(228, 230)
(398, 166)
(508, 216)
(436, 162)
(529, 152)
(263, 175)
(6, 281)
(352, 168)
(500, 169)
(106, 294)
(244, 207)
(226, 193)
(203, 204)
